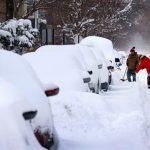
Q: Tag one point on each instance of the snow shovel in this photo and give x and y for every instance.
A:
(123, 79)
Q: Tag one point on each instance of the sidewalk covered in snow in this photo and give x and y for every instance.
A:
(116, 120)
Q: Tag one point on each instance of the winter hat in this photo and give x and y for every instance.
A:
(132, 49)
(141, 56)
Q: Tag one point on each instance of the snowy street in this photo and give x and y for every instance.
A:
(118, 120)
(75, 75)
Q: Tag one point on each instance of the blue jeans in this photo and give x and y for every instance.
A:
(131, 73)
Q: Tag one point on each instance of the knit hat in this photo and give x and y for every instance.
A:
(132, 49)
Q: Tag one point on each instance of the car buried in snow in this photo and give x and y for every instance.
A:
(18, 72)
(70, 64)
(61, 64)
(15, 115)
(97, 46)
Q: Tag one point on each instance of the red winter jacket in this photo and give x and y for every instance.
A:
(144, 64)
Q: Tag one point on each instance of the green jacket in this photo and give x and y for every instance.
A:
(132, 61)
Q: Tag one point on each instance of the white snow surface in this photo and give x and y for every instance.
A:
(115, 120)
(5, 33)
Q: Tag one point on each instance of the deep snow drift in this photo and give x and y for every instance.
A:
(115, 120)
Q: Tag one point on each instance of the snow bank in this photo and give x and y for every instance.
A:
(112, 121)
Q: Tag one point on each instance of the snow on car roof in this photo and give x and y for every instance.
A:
(9, 94)
(58, 64)
(103, 44)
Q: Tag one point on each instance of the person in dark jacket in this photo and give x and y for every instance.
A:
(144, 64)
(132, 63)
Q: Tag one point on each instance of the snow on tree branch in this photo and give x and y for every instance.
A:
(37, 5)
(127, 8)
(17, 34)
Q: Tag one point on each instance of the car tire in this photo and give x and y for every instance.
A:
(104, 86)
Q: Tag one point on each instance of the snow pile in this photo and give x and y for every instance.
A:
(118, 119)
(112, 121)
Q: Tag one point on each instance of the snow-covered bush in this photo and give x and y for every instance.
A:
(17, 35)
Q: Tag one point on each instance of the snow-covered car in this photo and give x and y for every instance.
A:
(61, 64)
(15, 115)
(69, 58)
(107, 65)
(102, 44)
(105, 73)
(92, 66)
(17, 71)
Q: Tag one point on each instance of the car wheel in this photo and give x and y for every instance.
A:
(104, 86)
(92, 90)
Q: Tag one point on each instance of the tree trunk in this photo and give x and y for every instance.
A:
(9, 9)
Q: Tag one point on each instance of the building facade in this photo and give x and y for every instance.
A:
(2, 10)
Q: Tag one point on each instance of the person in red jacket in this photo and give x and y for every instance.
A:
(144, 64)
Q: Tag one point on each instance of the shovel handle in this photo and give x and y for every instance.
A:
(125, 72)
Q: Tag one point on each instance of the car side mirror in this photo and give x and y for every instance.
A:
(90, 72)
(86, 80)
(117, 60)
(85, 76)
(29, 115)
(110, 67)
(119, 64)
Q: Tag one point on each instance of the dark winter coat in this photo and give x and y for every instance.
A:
(132, 61)
(144, 64)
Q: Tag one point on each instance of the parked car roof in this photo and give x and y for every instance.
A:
(60, 64)
(102, 44)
